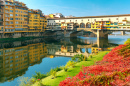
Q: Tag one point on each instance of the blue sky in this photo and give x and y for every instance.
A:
(80, 7)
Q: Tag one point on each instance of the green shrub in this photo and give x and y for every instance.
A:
(79, 58)
(57, 69)
(53, 73)
(40, 83)
(33, 80)
(39, 75)
(24, 81)
(65, 69)
(128, 41)
(90, 56)
(70, 63)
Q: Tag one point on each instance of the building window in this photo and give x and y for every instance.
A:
(11, 18)
(16, 25)
(125, 18)
(88, 19)
(59, 21)
(16, 10)
(101, 19)
(11, 10)
(16, 14)
(94, 19)
(116, 18)
(109, 19)
(11, 61)
(70, 20)
(48, 21)
(11, 14)
(11, 22)
(6, 2)
(16, 18)
(11, 65)
(54, 21)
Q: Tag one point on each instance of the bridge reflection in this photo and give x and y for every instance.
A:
(17, 56)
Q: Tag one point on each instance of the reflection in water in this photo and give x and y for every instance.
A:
(16, 57)
(15, 61)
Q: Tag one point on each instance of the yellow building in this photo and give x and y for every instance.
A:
(51, 15)
(35, 53)
(14, 18)
(13, 61)
(68, 25)
(63, 25)
(101, 25)
(95, 50)
(37, 22)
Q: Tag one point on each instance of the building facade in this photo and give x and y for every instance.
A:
(93, 22)
(37, 22)
(15, 17)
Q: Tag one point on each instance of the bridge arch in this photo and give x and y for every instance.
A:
(88, 25)
(82, 50)
(82, 25)
(76, 25)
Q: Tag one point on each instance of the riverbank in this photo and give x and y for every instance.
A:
(61, 75)
(113, 70)
(16, 39)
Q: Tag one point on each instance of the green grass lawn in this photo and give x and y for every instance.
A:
(61, 75)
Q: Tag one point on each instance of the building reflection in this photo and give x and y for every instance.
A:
(16, 57)
(15, 61)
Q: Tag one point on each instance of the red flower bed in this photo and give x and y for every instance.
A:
(113, 70)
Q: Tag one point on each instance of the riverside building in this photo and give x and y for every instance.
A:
(36, 20)
(16, 19)
(107, 22)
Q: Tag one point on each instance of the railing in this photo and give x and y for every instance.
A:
(1, 12)
(9, 27)
(6, 20)
(1, 3)
(1, 19)
(6, 12)
(6, 16)
(6, 24)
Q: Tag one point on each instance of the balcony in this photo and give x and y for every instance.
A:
(1, 20)
(1, 3)
(6, 20)
(6, 12)
(6, 16)
(7, 24)
(1, 12)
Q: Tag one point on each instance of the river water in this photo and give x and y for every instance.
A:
(24, 57)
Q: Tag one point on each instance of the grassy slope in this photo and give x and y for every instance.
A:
(61, 75)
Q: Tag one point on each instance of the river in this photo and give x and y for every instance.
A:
(22, 58)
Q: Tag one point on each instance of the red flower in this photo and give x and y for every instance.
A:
(113, 70)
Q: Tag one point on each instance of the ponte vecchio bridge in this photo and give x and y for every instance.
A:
(99, 25)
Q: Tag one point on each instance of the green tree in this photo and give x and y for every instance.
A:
(38, 75)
